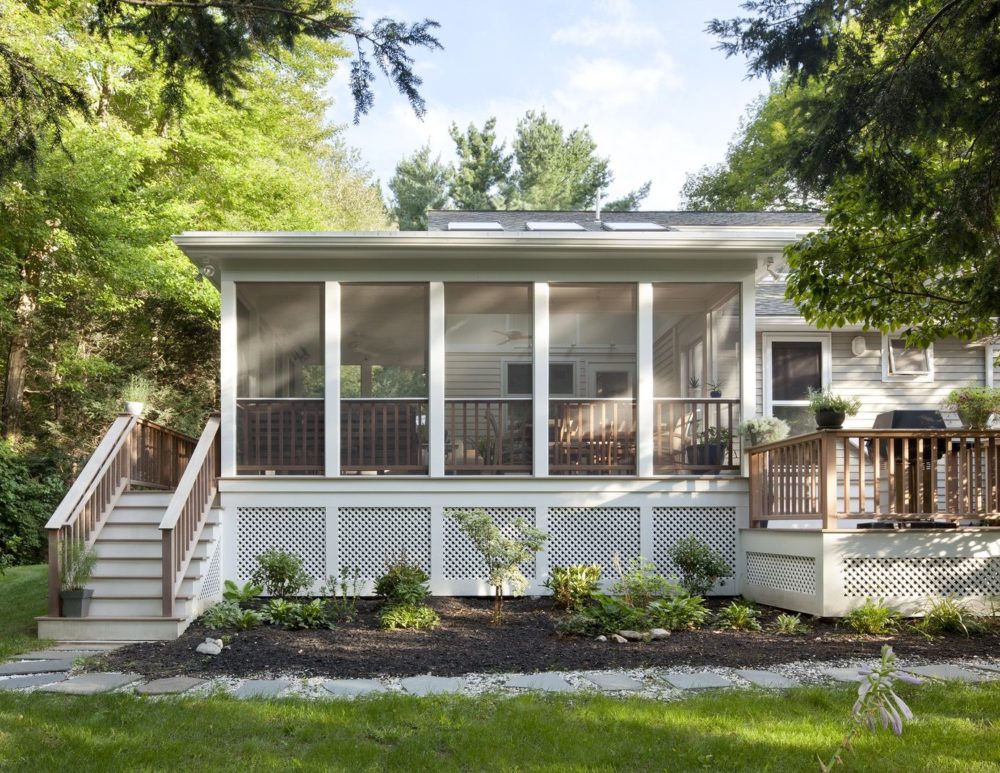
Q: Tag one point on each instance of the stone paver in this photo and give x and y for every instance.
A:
(432, 685)
(90, 646)
(35, 667)
(611, 682)
(32, 680)
(541, 682)
(842, 674)
(767, 679)
(92, 684)
(350, 688)
(698, 681)
(987, 667)
(261, 688)
(169, 686)
(947, 671)
(55, 654)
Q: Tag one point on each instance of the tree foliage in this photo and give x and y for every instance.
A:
(899, 104)
(545, 169)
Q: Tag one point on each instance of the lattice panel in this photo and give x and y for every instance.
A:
(921, 577)
(592, 535)
(781, 572)
(299, 530)
(211, 588)
(370, 537)
(462, 560)
(715, 526)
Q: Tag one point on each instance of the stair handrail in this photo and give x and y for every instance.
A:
(187, 513)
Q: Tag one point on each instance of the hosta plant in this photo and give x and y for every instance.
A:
(240, 594)
(874, 618)
(406, 616)
(573, 586)
(789, 624)
(738, 615)
(678, 613)
(229, 615)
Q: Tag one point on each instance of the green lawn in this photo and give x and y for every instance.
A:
(23, 594)
(956, 730)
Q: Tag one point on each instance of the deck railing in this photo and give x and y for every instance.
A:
(896, 475)
(133, 452)
(592, 437)
(695, 435)
(383, 435)
(280, 436)
(487, 436)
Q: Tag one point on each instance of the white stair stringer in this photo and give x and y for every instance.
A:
(128, 604)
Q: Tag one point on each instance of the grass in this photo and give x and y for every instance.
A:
(23, 596)
(955, 730)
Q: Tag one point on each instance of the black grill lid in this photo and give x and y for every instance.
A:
(917, 418)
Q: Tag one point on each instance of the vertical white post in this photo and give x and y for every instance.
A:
(229, 363)
(989, 353)
(540, 381)
(435, 382)
(644, 409)
(748, 353)
(331, 359)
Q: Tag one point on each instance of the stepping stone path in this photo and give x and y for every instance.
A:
(59, 654)
(766, 679)
(698, 681)
(611, 682)
(173, 685)
(92, 684)
(842, 674)
(261, 688)
(350, 688)
(33, 680)
(35, 667)
(947, 671)
(543, 682)
(432, 685)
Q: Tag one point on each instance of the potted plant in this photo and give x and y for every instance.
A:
(831, 409)
(78, 563)
(694, 384)
(975, 405)
(715, 389)
(710, 450)
(763, 429)
(136, 394)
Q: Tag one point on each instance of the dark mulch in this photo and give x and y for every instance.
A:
(466, 642)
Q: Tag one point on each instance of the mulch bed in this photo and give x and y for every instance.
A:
(466, 642)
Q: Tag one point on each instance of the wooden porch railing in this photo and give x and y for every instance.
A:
(187, 513)
(695, 435)
(280, 436)
(133, 452)
(893, 475)
(384, 435)
(488, 436)
(592, 437)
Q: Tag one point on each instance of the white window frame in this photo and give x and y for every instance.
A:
(888, 375)
(826, 366)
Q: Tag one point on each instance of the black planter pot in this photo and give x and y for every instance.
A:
(705, 454)
(76, 603)
(830, 419)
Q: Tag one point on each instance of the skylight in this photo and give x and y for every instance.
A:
(634, 226)
(475, 225)
(552, 225)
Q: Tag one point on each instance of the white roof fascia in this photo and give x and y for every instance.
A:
(790, 324)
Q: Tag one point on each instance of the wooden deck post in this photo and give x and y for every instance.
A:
(828, 480)
(54, 583)
(167, 570)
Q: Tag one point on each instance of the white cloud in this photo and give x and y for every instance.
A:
(614, 83)
(614, 22)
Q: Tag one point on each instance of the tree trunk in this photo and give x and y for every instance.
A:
(15, 376)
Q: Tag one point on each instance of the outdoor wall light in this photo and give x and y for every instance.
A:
(858, 346)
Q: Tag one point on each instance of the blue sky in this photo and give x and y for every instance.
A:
(659, 99)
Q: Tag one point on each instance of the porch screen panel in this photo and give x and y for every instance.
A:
(383, 378)
(488, 361)
(592, 355)
(696, 373)
(280, 378)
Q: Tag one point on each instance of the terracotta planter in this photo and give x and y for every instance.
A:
(76, 603)
(830, 419)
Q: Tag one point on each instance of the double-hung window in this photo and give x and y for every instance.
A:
(794, 364)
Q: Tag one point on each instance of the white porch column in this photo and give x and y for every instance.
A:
(331, 360)
(227, 379)
(435, 382)
(748, 353)
(540, 381)
(644, 409)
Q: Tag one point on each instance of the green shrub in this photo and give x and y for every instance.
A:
(699, 565)
(641, 585)
(409, 616)
(295, 615)
(240, 594)
(229, 615)
(403, 584)
(738, 615)
(280, 573)
(28, 496)
(606, 615)
(874, 618)
(573, 586)
(789, 624)
(949, 615)
(677, 613)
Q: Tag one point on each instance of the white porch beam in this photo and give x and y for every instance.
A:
(331, 360)
(540, 381)
(748, 353)
(435, 382)
(227, 379)
(644, 409)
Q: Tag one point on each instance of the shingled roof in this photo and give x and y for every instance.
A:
(517, 220)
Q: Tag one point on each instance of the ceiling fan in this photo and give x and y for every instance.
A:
(512, 335)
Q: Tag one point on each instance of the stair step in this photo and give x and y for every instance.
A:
(145, 498)
(126, 514)
(137, 607)
(105, 587)
(109, 550)
(111, 628)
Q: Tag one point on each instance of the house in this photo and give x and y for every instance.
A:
(585, 375)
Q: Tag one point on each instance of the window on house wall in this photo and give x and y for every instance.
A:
(519, 379)
(902, 361)
(793, 366)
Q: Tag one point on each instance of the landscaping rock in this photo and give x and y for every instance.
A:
(659, 633)
(172, 685)
(618, 639)
(631, 635)
(210, 647)
(545, 682)
(602, 637)
(35, 667)
(92, 684)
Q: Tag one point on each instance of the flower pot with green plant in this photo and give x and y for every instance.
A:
(136, 394)
(714, 389)
(763, 429)
(710, 450)
(75, 570)
(975, 405)
(831, 410)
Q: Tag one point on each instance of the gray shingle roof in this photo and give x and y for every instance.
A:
(515, 220)
(771, 301)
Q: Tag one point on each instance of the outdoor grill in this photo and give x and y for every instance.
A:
(914, 418)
